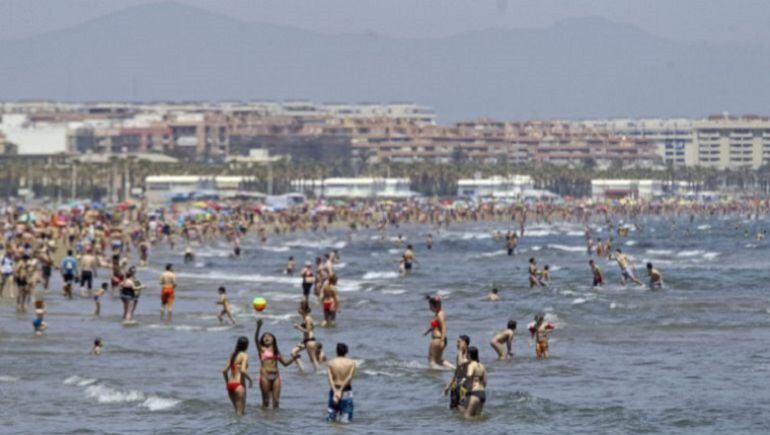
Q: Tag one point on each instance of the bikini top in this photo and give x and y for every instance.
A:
(268, 355)
(434, 323)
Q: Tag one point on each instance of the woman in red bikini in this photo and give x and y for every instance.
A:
(438, 339)
(269, 357)
(235, 373)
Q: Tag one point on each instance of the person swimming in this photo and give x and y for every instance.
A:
(96, 350)
(493, 296)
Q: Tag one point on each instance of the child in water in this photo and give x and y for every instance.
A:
(97, 298)
(504, 337)
(40, 313)
(226, 311)
(545, 276)
(290, 265)
(97, 349)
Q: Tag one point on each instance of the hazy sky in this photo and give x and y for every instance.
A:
(746, 21)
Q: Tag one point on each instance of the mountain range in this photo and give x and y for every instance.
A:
(577, 68)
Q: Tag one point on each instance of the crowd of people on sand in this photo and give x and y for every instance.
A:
(83, 243)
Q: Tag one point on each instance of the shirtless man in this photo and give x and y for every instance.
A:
(626, 267)
(307, 279)
(456, 388)
(597, 273)
(656, 278)
(88, 263)
(168, 287)
(340, 374)
(409, 259)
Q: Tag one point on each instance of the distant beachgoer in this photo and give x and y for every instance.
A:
(597, 274)
(438, 340)
(226, 309)
(456, 388)
(98, 298)
(504, 338)
(476, 378)
(309, 343)
(534, 274)
(39, 323)
(540, 331)
(626, 267)
(340, 373)
(96, 350)
(656, 278)
(290, 267)
(308, 280)
(68, 267)
(331, 302)
(493, 296)
(168, 289)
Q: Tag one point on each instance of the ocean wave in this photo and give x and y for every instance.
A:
(567, 248)
(660, 251)
(219, 276)
(8, 379)
(380, 275)
(155, 403)
(690, 253)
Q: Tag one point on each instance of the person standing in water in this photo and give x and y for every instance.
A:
(68, 267)
(330, 301)
(626, 267)
(168, 289)
(534, 274)
(308, 280)
(476, 377)
(269, 357)
(409, 259)
(656, 278)
(597, 274)
(236, 374)
(290, 267)
(340, 373)
(540, 330)
(226, 310)
(504, 338)
(456, 389)
(309, 342)
(88, 264)
(437, 331)
(39, 323)
(98, 298)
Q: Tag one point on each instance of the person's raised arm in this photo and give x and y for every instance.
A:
(256, 336)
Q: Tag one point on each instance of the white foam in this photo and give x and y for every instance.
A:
(379, 373)
(660, 251)
(567, 248)
(704, 227)
(630, 243)
(321, 244)
(710, 255)
(578, 301)
(105, 394)
(275, 248)
(575, 233)
(394, 292)
(219, 276)
(8, 379)
(690, 253)
(443, 293)
(490, 254)
(394, 251)
(538, 233)
(154, 403)
(380, 275)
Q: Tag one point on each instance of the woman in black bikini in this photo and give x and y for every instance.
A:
(476, 377)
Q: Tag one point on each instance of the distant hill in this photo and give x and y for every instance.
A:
(586, 67)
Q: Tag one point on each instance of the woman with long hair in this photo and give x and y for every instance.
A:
(235, 374)
(269, 357)
(476, 378)
(438, 340)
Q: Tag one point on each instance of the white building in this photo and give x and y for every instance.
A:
(512, 186)
(34, 138)
(734, 143)
(617, 189)
(673, 137)
(356, 187)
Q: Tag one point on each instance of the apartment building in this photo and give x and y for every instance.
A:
(732, 143)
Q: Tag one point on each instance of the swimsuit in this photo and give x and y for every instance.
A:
(232, 386)
(342, 410)
(167, 295)
(481, 395)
